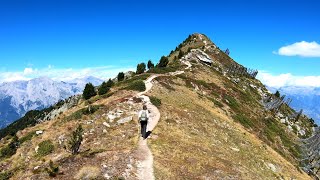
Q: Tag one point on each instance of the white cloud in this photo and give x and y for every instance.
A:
(288, 79)
(28, 71)
(303, 49)
(63, 74)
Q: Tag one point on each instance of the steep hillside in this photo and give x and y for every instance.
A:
(210, 119)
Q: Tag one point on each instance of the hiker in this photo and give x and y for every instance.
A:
(143, 118)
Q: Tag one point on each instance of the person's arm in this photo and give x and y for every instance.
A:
(148, 114)
(139, 114)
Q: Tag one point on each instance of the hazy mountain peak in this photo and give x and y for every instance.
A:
(19, 97)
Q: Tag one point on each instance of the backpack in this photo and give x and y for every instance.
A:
(143, 116)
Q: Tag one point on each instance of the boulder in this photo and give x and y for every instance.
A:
(283, 121)
(39, 132)
(125, 120)
(36, 149)
(272, 167)
(106, 124)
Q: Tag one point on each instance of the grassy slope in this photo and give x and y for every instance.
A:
(198, 139)
(113, 148)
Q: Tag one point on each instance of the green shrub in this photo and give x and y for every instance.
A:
(84, 111)
(136, 86)
(243, 120)
(233, 104)
(216, 103)
(27, 137)
(155, 101)
(76, 115)
(4, 175)
(45, 147)
(10, 149)
(107, 95)
(162, 70)
(90, 109)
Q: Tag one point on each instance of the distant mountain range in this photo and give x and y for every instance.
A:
(19, 97)
(306, 98)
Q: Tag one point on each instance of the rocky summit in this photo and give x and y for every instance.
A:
(210, 118)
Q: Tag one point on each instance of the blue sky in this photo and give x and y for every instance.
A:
(82, 36)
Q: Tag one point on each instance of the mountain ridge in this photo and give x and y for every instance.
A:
(19, 97)
(217, 122)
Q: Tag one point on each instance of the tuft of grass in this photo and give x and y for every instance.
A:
(88, 172)
(162, 70)
(91, 152)
(4, 175)
(141, 77)
(273, 130)
(84, 111)
(243, 120)
(155, 101)
(27, 137)
(107, 95)
(233, 104)
(136, 86)
(216, 103)
(45, 147)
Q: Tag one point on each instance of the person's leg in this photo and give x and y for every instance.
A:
(144, 129)
(141, 123)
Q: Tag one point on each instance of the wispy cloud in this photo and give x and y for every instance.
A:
(62, 74)
(303, 49)
(288, 79)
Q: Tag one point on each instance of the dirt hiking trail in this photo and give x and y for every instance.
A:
(145, 157)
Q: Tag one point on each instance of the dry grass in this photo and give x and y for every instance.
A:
(110, 146)
(197, 140)
(88, 172)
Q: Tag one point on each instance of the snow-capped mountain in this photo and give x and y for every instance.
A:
(19, 97)
(306, 98)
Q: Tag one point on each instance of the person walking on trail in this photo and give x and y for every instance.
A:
(143, 118)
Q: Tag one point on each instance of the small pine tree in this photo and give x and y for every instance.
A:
(180, 54)
(120, 76)
(76, 140)
(89, 91)
(14, 144)
(53, 169)
(163, 62)
(141, 68)
(110, 83)
(103, 89)
(277, 94)
(150, 64)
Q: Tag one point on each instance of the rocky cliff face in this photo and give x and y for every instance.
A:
(215, 123)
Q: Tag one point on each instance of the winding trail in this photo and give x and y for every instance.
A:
(145, 157)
